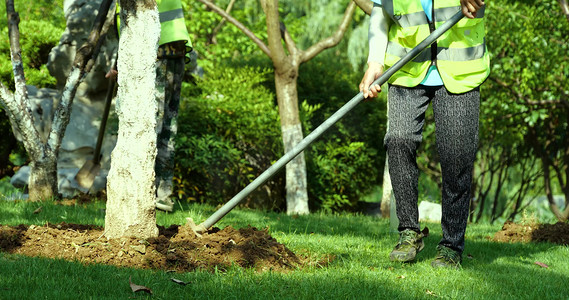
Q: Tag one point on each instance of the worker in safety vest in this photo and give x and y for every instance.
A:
(173, 52)
(448, 75)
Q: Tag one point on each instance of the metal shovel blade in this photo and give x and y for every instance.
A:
(86, 175)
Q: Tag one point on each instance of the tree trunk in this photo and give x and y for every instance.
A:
(296, 187)
(42, 185)
(131, 192)
(564, 8)
(387, 191)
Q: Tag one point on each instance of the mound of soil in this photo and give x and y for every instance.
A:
(554, 233)
(177, 248)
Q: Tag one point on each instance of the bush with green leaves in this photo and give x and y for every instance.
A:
(346, 163)
(41, 26)
(228, 134)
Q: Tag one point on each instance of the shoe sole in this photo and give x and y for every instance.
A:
(164, 207)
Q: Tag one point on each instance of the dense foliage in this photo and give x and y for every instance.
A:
(41, 27)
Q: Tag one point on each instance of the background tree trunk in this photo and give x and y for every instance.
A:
(387, 190)
(291, 128)
(42, 173)
(131, 192)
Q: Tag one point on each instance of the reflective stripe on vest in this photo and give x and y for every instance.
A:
(172, 22)
(450, 54)
(462, 59)
(171, 15)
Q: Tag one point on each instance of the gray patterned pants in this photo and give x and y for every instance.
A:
(456, 132)
(169, 73)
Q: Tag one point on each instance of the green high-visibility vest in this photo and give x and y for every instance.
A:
(461, 55)
(172, 22)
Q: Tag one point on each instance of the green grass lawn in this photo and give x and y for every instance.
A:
(361, 268)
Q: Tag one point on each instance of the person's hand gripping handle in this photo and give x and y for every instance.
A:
(470, 7)
(374, 70)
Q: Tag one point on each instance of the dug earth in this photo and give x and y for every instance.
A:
(177, 248)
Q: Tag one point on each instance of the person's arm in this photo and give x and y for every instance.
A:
(470, 7)
(377, 38)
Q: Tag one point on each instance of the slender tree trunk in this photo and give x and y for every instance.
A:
(387, 191)
(131, 197)
(296, 187)
(42, 185)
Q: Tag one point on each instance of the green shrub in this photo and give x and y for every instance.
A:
(38, 35)
(228, 134)
(340, 174)
(346, 163)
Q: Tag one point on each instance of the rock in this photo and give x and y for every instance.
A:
(429, 211)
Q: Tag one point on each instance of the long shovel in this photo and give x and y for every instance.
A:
(290, 155)
(86, 175)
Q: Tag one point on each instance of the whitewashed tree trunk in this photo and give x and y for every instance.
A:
(291, 128)
(387, 191)
(131, 193)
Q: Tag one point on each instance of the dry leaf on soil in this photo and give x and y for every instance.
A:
(541, 264)
(137, 288)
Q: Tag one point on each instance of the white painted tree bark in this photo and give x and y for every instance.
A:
(387, 191)
(131, 193)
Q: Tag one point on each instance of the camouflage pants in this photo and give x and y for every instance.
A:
(169, 73)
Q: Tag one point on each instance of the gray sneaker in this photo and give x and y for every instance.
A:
(410, 243)
(447, 258)
(165, 205)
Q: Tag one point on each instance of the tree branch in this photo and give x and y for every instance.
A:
(17, 105)
(289, 42)
(332, 40)
(271, 9)
(221, 23)
(239, 25)
(365, 5)
(565, 8)
(81, 65)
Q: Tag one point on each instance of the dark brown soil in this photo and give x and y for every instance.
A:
(554, 233)
(177, 248)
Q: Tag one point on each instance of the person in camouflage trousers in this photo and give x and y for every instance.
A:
(173, 54)
(169, 75)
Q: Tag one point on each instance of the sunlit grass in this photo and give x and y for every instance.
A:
(358, 245)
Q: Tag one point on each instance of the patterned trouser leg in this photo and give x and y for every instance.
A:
(456, 121)
(169, 73)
